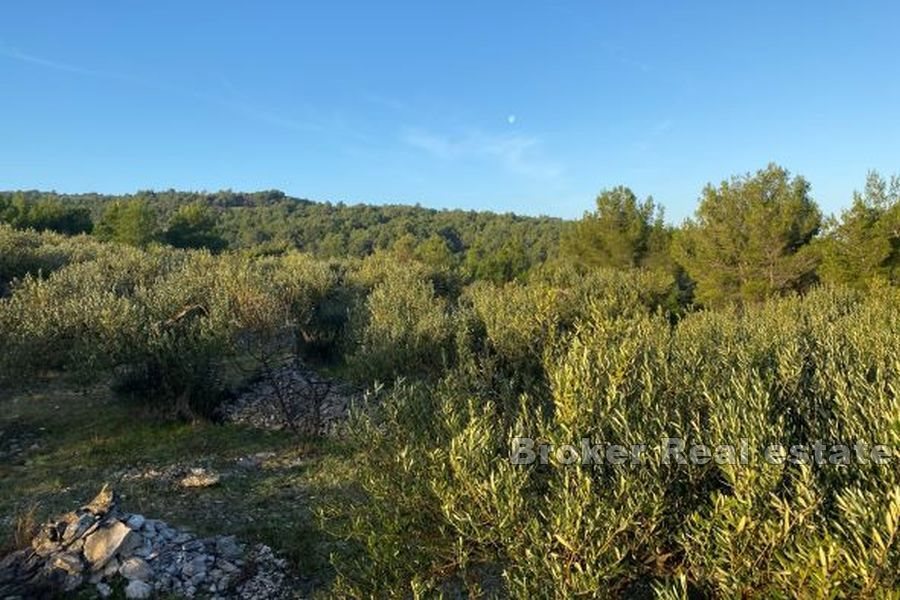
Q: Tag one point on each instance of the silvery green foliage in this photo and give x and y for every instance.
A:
(402, 328)
(39, 254)
(439, 507)
(164, 321)
(433, 460)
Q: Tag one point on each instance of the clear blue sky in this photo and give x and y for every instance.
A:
(531, 107)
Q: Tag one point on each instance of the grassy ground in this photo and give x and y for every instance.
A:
(59, 444)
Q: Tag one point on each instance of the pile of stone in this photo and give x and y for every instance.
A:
(99, 546)
(291, 397)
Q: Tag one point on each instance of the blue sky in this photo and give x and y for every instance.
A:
(531, 107)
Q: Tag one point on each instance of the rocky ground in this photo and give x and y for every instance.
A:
(100, 547)
(292, 397)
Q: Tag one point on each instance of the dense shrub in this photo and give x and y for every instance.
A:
(519, 323)
(317, 300)
(384, 265)
(30, 252)
(434, 461)
(516, 325)
(403, 328)
(61, 323)
(163, 321)
(568, 354)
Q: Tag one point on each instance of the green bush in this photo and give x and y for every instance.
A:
(568, 354)
(318, 300)
(433, 460)
(30, 252)
(164, 322)
(403, 328)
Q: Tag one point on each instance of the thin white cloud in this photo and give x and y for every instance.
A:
(516, 153)
(245, 109)
(54, 65)
(269, 118)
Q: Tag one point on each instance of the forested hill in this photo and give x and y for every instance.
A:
(752, 236)
(492, 245)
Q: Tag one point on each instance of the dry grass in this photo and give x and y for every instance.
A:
(24, 528)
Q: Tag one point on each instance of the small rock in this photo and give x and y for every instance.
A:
(149, 529)
(136, 568)
(227, 547)
(251, 463)
(226, 566)
(136, 521)
(77, 526)
(104, 590)
(68, 562)
(131, 545)
(145, 549)
(181, 538)
(43, 544)
(103, 502)
(111, 568)
(138, 590)
(200, 478)
(104, 543)
(72, 582)
(196, 566)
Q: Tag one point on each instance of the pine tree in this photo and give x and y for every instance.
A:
(131, 222)
(194, 225)
(749, 239)
(622, 233)
(864, 244)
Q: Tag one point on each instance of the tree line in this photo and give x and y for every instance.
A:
(752, 237)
